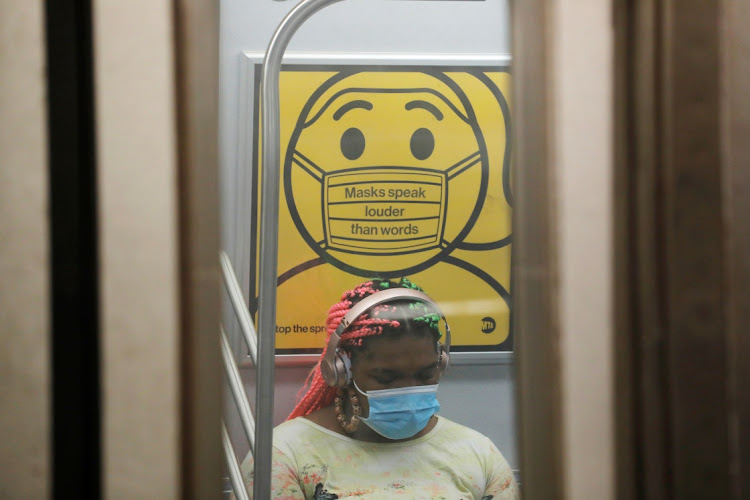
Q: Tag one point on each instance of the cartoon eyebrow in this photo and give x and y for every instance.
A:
(359, 103)
(425, 105)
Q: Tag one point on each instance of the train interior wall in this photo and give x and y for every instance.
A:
(478, 395)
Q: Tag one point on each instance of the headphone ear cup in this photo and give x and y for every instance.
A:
(343, 369)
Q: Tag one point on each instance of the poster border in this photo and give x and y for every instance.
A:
(247, 176)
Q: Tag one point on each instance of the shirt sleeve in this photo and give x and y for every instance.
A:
(285, 483)
(501, 484)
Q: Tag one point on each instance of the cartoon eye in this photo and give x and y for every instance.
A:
(353, 143)
(422, 144)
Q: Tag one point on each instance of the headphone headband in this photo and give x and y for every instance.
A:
(335, 369)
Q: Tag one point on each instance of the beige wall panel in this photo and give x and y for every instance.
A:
(24, 254)
(137, 182)
(582, 123)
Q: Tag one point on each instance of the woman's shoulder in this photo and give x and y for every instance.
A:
(321, 419)
(294, 428)
(304, 430)
(293, 425)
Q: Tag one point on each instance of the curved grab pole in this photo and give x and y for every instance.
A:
(269, 238)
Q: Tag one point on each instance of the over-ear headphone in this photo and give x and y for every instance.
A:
(336, 365)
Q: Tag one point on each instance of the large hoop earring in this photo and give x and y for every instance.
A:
(338, 405)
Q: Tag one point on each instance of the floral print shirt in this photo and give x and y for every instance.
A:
(451, 462)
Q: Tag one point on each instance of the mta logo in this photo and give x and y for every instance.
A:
(488, 325)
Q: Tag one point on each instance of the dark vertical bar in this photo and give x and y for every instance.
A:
(736, 182)
(646, 264)
(535, 274)
(196, 41)
(74, 308)
(693, 244)
(676, 424)
(624, 319)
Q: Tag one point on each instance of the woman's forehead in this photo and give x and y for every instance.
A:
(396, 350)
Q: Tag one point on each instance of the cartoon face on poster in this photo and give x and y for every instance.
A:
(391, 172)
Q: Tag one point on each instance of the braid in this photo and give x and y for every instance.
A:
(317, 394)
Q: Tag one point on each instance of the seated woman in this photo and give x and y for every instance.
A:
(366, 426)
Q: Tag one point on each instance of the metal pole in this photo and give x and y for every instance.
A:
(235, 475)
(269, 235)
(238, 391)
(240, 308)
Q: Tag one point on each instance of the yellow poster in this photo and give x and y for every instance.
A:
(391, 172)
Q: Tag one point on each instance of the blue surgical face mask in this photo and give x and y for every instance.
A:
(400, 413)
